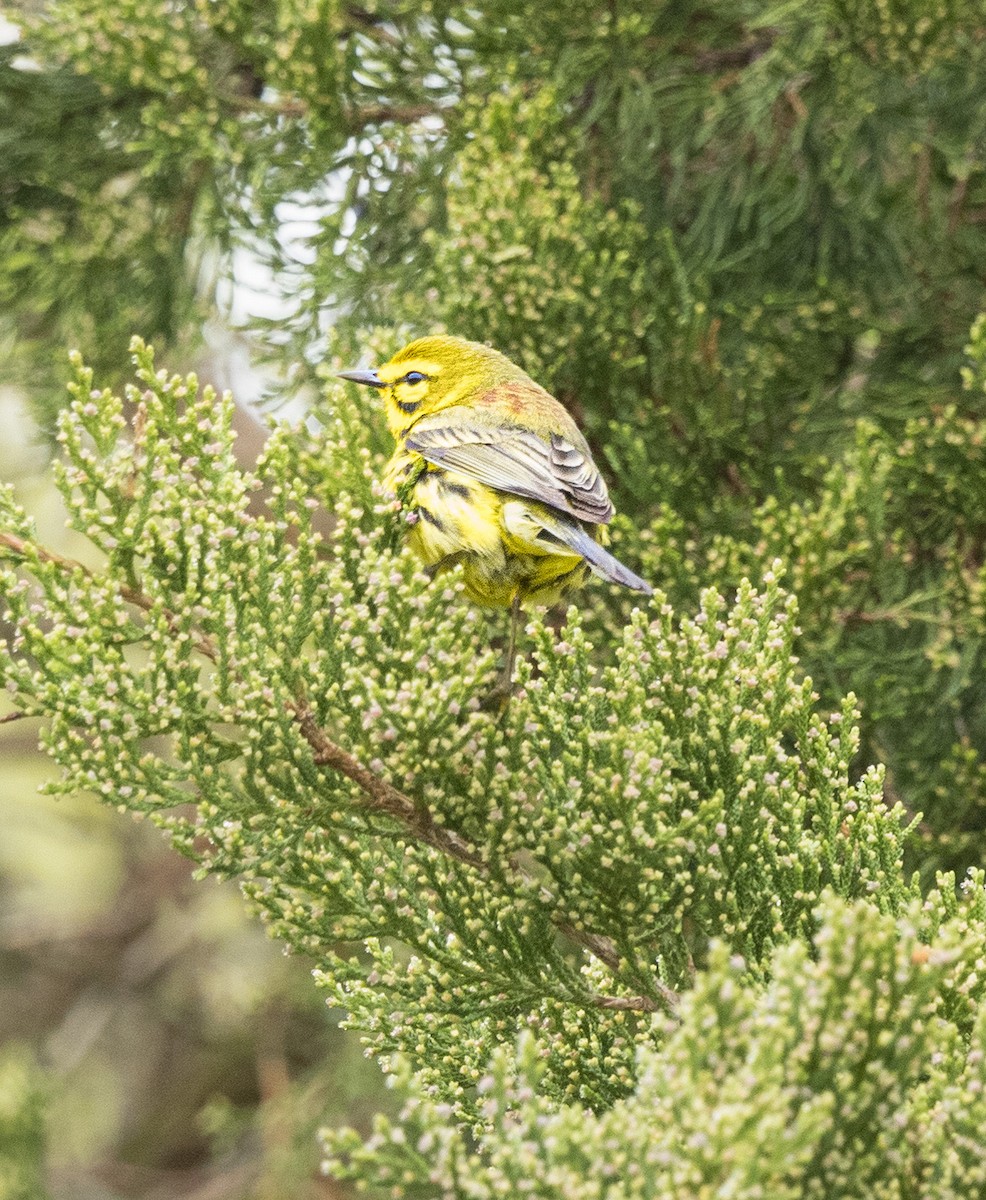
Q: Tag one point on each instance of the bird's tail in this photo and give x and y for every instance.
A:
(600, 561)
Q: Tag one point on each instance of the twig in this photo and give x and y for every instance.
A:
(355, 118)
(288, 107)
(923, 182)
(873, 616)
(407, 114)
(20, 548)
(710, 62)
(630, 1003)
(384, 797)
(370, 25)
(956, 203)
(132, 595)
(381, 795)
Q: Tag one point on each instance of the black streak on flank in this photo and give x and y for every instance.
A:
(449, 488)
(427, 515)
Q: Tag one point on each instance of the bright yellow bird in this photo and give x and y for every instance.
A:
(494, 474)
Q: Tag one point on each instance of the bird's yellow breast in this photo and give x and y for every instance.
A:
(495, 537)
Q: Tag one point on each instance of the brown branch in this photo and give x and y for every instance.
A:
(711, 62)
(16, 715)
(874, 616)
(288, 107)
(379, 114)
(186, 201)
(381, 796)
(956, 203)
(603, 949)
(355, 118)
(704, 61)
(922, 182)
(797, 105)
(370, 25)
(631, 1003)
(20, 547)
(385, 798)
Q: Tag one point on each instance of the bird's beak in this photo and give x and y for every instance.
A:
(370, 378)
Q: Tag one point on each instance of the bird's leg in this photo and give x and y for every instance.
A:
(508, 666)
(503, 689)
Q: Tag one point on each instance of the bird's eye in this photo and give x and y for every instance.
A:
(414, 377)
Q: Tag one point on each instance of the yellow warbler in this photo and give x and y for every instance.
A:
(494, 473)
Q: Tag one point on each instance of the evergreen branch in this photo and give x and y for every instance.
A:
(956, 204)
(186, 201)
(901, 616)
(370, 25)
(602, 948)
(712, 60)
(131, 594)
(286, 107)
(355, 118)
(19, 547)
(399, 114)
(923, 182)
(386, 798)
(381, 796)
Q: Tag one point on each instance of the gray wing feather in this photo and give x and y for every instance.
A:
(558, 473)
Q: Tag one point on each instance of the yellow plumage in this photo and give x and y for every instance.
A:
(493, 474)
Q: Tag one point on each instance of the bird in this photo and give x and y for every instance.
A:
(493, 474)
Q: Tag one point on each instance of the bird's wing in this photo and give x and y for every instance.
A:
(519, 461)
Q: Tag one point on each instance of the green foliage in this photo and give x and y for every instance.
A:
(849, 1074)
(342, 768)
(526, 257)
(745, 243)
(77, 218)
(886, 562)
(665, 818)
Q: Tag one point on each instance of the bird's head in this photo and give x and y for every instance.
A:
(433, 373)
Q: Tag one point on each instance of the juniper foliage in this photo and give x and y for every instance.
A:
(788, 1092)
(745, 244)
(645, 846)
